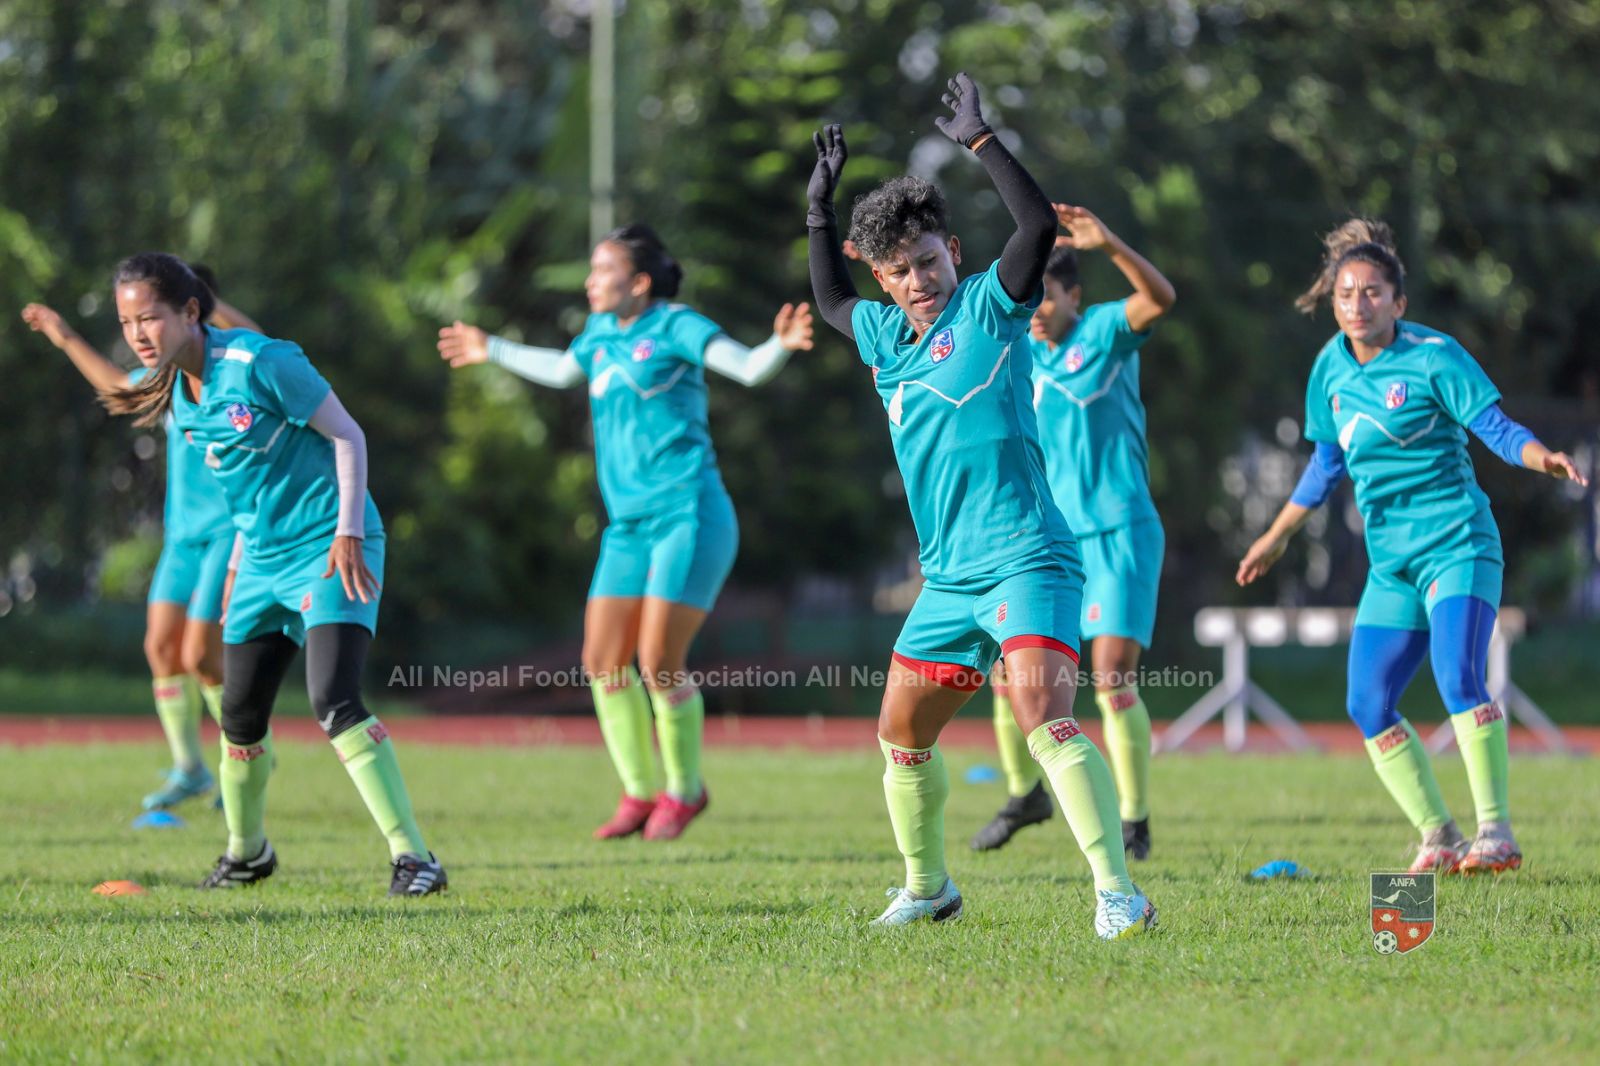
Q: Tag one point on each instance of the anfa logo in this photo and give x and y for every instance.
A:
(944, 342)
(1064, 730)
(643, 350)
(1335, 403)
(910, 758)
(1074, 359)
(377, 732)
(1392, 738)
(305, 603)
(1489, 712)
(1094, 612)
(239, 417)
(1402, 911)
(1395, 396)
(1000, 612)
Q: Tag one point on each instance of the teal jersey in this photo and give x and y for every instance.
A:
(647, 396)
(961, 420)
(195, 511)
(277, 473)
(1399, 420)
(1091, 420)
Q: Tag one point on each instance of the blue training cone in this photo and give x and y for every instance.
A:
(158, 820)
(1279, 868)
(982, 775)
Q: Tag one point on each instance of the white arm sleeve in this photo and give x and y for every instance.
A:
(747, 366)
(238, 551)
(350, 463)
(559, 370)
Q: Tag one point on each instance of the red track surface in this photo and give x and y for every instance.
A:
(814, 733)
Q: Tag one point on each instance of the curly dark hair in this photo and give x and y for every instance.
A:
(900, 210)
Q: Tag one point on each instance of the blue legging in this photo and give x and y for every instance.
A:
(1383, 661)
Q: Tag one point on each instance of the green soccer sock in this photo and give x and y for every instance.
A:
(1082, 782)
(1022, 773)
(624, 713)
(178, 707)
(1127, 726)
(1403, 767)
(242, 779)
(369, 759)
(916, 785)
(212, 694)
(680, 728)
(1481, 736)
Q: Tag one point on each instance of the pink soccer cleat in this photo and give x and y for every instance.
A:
(672, 816)
(632, 816)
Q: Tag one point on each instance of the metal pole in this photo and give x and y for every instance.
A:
(602, 120)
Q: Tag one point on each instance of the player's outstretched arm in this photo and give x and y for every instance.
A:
(835, 294)
(791, 332)
(1271, 545)
(99, 371)
(463, 345)
(1027, 251)
(1516, 444)
(1153, 295)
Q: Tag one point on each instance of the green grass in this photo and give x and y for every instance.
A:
(747, 940)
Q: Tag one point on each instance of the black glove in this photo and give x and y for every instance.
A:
(967, 126)
(831, 154)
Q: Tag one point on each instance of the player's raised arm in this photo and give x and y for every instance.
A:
(1153, 295)
(830, 276)
(462, 345)
(1028, 249)
(99, 371)
(791, 332)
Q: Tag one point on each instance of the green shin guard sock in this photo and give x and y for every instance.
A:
(1403, 767)
(1022, 773)
(242, 779)
(1082, 782)
(1127, 730)
(916, 785)
(369, 758)
(178, 707)
(680, 728)
(624, 713)
(1481, 736)
(212, 695)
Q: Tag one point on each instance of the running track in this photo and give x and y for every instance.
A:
(813, 733)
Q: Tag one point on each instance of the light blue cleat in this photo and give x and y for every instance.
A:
(180, 785)
(905, 908)
(1118, 916)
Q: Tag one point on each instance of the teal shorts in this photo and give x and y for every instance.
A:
(681, 555)
(193, 574)
(1405, 599)
(971, 629)
(1121, 578)
(290, 595)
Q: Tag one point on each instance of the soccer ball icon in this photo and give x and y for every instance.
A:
(1385, 942)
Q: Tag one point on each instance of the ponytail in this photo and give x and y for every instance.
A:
(1367, 240)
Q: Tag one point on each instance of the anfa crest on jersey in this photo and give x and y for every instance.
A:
(643, 350)
(1075, 359)
(1395, 396)
(1336, 403)
(239, 417)
(944, 342)
(1402, 911)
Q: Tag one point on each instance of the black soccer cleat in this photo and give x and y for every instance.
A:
(414, 877)
(1136, 839)
(1018, 813)
(236, 873)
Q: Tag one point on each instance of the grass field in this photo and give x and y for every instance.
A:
(746, 941)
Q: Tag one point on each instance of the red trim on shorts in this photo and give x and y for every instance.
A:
(959, 676)
(1025, 641)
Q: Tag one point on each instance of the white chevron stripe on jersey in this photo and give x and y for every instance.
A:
(1041, 380)
(598, 387)
(214, 460)
(897, 403)
(1348, 432)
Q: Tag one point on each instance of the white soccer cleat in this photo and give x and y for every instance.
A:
(1118, 916)
(905, 908)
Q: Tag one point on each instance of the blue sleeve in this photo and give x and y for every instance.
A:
(1124, 339)
(1501, 435)
(283, 378)
(1321, 477)
(691, 332)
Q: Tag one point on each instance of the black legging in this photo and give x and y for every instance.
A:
(252, 671)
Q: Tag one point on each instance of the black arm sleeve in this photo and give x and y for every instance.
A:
(1026, 253)
(830, 279)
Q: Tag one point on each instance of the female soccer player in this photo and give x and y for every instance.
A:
(1001, 572)
(1389, 401)
(293, 469)
(1091, 421)
(183, 618)
(672, 534)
